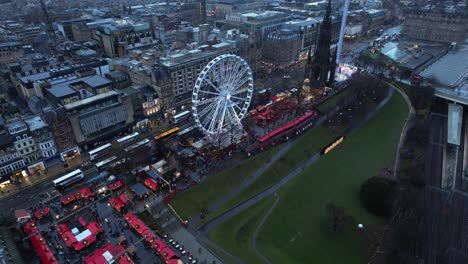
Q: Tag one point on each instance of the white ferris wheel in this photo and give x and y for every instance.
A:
(222, 94)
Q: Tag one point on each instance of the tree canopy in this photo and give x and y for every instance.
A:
(378, 195)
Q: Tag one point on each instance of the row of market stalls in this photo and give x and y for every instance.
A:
(109, 254)
(167, 254)
(39, 244)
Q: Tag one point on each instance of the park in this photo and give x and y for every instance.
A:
(291, 225)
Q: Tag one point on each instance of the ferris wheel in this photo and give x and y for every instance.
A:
(222, 94)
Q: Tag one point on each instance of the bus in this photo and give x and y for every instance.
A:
(68, 179)
(100, 151)
(186, 131)
(167, 134)
(144, 142)
(102, 164)
(128, 139)
(180, 117)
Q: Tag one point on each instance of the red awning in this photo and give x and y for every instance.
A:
(41, 213)
(68, 199)
(126, 260)
(116, 203)
(124, 198)
(152, 184)
(94, 228)
(149, 235)
(115, 185)
(81, 221)
(69, 238)
(158, 245)
(129, 217)
(30, 227)
(37, 240)
(62, 227)
(84, 193)
(84, 243)
(167, 253)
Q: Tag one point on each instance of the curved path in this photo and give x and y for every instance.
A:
(257, 229)
(269, 191)
(409, 122)
(233, 192)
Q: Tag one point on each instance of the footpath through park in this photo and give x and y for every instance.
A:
(269, 191)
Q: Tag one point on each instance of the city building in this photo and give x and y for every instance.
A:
(111, 36)
(11, 163)
(98, 117)
(74, 29)
(10, 52)
(281, 48)
(435, 24)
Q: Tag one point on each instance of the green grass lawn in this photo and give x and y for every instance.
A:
(235, 235)
(305, 146)
(200, 196)
(293, 233)
(329, 104)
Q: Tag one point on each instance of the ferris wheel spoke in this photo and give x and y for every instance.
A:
(209, 100)
(235, 105)
(239, 98)
(215, 75)
(233, 112)
(240, 91)
(239, 82)
(234, 84)
(223, 115)
(223, 71)
(213, 118)
(212, 85)
(234, 73)
(239, 85)
(207, 109)
(208, 92)
(212, 111)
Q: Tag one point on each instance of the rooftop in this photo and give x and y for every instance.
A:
(450, 70)
(89, 100)
(35, 122)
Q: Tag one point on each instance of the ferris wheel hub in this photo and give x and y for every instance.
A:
(228, 97)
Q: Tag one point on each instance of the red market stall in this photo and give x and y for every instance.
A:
(30, 227)
(94, 228)
(68, 199)
(46, 255)
(124, 198)
(116, 203)
(158, 245)
(126, 260)
(84, 193)
(41, 213)
(69, 238)
(62, 227)
(148, 235)
(107, 254)
(81, 221)
(167, 254)
(84, 243)
(129, 217)
(115, 185)
(150, 183)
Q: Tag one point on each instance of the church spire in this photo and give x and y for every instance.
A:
(318, 70)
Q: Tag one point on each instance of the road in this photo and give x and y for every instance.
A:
(33, 194)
